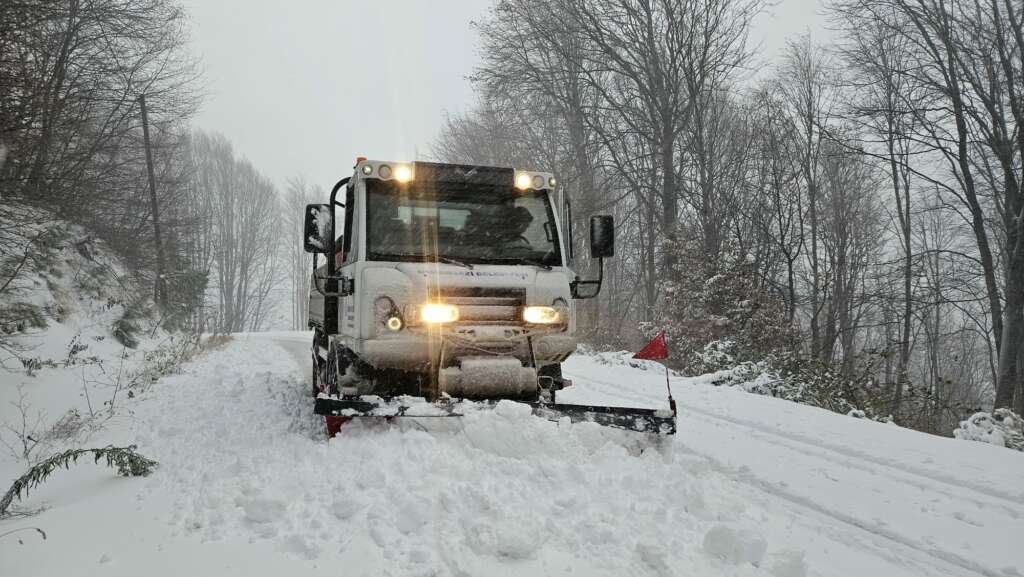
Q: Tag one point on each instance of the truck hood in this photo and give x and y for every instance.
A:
(542, 286)
(413, 283)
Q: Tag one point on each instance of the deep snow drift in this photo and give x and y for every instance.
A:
(247, 484)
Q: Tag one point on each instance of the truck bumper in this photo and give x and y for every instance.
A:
(423, 350)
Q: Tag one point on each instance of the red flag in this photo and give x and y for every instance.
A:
(654, 350)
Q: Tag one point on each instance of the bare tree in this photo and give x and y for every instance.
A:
(863, 200)
(298, 194)
(878, 54)
(775, 182)
(805, 78)
(244, 245)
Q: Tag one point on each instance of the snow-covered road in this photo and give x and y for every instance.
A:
(749, 486)
(934, 506)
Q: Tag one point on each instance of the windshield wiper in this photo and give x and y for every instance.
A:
(517, 260)
(447, 260)
(395, 256)
(542, 265)
(415, 256)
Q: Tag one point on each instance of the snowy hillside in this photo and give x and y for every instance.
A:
(247, 484)
(87, 336)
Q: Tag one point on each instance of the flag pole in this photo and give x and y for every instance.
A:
(657, 350)
(671, 401)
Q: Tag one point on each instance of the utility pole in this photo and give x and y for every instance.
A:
(159, 292)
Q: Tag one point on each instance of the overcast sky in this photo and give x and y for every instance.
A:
(302, 87)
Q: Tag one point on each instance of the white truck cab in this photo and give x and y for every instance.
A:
(449, 280)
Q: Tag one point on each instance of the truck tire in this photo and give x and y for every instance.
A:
(316, 388)
(317, 364)
(331, 372)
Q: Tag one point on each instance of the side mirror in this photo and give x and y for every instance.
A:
(602, 236)
(316, 235)
(602, 246)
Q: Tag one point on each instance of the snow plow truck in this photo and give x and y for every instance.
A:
(449, 289)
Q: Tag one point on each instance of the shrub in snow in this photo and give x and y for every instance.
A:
(168, 357)
(125, 330)
(27, 251)
(794, 377)
(1001, 427)
(620, 358)
(753, 377)
(838, 388)
(719, 314)
(721, 319)
(717, 355)
(185, 292)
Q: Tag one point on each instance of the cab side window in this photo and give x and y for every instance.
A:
(350, 224)
(343, 243)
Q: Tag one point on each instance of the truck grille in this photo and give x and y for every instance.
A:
(485, 305)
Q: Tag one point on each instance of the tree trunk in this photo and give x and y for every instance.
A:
(1013, 332)
(669, 199)
(651, 286)
(51, 108)
(159, 292)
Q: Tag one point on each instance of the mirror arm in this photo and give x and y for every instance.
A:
(347, 286)
(316, 278)
(577, 283)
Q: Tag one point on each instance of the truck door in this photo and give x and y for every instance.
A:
(348, 255)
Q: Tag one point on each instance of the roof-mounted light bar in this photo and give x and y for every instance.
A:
(406, 171)
(385, 170)
(534, 180)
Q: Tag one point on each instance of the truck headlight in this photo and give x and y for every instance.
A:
(437, 313)
(403, 173)
(541, 315)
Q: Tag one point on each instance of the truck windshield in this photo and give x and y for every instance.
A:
(468, 225)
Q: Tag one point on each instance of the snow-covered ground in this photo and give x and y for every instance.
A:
(248, 485)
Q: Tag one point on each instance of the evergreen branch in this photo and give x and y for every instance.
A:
(125, 459)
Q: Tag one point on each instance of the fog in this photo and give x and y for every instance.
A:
(302, 88)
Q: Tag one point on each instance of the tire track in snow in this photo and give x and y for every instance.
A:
(894, 470)
(798, 444)
(936, 558)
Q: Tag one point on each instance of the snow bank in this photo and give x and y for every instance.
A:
(79, 287)
(1001, 427)
(73, 369)
(620, 359)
